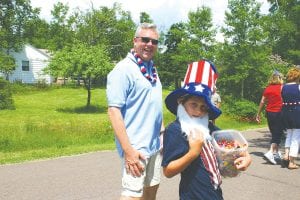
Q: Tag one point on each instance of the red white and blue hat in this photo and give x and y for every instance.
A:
(200, 80)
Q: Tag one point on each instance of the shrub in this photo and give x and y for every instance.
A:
(242, 109)
(6, 101)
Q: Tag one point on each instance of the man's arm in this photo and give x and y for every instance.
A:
(131, 156)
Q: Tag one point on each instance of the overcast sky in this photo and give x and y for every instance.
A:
(163, 12)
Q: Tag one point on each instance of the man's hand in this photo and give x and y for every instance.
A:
(132, 162)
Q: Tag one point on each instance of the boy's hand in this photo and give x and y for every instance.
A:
(196, 142)
(243, 162)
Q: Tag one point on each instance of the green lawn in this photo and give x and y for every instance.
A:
(55, 122)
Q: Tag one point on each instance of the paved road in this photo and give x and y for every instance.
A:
(95, 176)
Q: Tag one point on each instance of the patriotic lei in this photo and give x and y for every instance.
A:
(143, 69)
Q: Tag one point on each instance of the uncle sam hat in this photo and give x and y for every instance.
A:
(200, 80)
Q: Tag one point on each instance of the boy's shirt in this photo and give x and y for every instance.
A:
(201, 179)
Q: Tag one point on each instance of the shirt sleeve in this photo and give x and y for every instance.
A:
(175, 144)
(117, 86)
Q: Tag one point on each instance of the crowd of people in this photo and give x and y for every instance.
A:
(135, 109)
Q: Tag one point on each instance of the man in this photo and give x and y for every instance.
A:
(134, 95)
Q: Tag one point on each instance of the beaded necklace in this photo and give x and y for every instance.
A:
(143, 69)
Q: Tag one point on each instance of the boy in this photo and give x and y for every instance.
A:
(187, 147)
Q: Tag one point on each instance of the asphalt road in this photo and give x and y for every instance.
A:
(97, 176)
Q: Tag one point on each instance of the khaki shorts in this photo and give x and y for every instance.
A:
(133, 186)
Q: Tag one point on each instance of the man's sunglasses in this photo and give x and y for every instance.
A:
(147, 39)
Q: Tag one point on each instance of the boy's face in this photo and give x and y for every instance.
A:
(195, 106)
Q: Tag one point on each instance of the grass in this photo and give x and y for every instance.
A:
(55, 122)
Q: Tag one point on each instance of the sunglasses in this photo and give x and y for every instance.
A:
(147, 39)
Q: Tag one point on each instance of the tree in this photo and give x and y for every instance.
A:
(6, 100)
(145, 17)
(61, 32)
(7, 64)
(113, 28)
(83, 61)
(173, 69)
(14, 14)
(188, 42)
(201, 36)
(283, 25)
(244, 54)
(37, 33)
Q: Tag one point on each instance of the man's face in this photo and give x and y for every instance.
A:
(146, 44)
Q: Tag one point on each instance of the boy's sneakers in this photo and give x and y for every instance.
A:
(270, 157)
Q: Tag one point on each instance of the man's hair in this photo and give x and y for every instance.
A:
(145, 26)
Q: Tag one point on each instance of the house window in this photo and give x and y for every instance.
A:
(25, 65)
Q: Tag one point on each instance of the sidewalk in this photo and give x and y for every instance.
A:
(97, 176)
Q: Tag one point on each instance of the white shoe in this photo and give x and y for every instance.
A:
(270, 157)
(277, 156)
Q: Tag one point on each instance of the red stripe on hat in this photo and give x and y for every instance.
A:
(200, 71)
(188, 74)
(210, 78)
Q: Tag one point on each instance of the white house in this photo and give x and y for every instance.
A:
(30, 63)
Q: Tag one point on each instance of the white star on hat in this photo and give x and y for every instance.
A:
(199, 88)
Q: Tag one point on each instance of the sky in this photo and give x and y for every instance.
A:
(163, 12)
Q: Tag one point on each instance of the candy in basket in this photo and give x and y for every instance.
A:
(229, 144)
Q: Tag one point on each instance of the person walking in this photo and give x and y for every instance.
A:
(187, 144)
(272, 98)
(134, 96)
(291, 117)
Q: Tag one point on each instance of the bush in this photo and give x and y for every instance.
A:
(242, 109)
(6, 101)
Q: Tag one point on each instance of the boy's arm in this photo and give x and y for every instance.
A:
(178, 165)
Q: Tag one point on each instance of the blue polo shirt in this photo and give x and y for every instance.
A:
(140, 103)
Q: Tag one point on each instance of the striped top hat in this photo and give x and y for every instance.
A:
(200, 80)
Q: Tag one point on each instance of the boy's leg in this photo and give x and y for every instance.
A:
(150, 192)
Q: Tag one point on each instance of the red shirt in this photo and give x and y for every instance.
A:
(272, 95)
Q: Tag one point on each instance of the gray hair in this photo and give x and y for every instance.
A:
(145, 26)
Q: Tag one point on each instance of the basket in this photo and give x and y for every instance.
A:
(229, 144)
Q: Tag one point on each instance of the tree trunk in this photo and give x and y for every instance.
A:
(88, 87)
(242, 89)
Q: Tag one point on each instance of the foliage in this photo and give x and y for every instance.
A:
(283, 25)
(7, 64)
(81, 61)
(244, 55)
(172, 69)
(6, 100)
(86, 43)
(14, 15)
(188, 42)
(112, 28)
(145, 17)
(240, 109)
